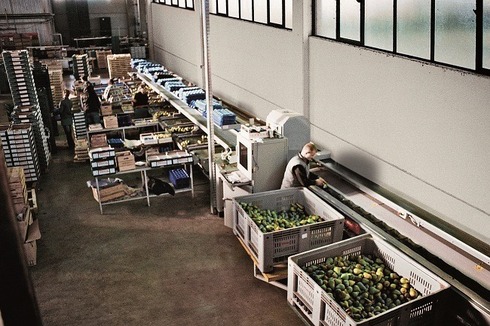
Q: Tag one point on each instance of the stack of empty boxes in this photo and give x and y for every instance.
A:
(138, 51)
(102, 161)
(26, 104)
(28, 227)
(56, 80)
(20, 149)
(119, 65)
(81, 66)
(101, 56)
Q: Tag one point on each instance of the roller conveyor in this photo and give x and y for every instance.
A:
(377, 211)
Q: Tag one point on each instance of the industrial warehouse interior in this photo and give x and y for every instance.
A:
(244, 162)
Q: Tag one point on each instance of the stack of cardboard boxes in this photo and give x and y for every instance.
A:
(28, 225)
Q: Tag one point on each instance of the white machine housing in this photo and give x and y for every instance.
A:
(262, 160)
(292, 125)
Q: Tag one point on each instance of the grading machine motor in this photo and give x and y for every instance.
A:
(292, 125)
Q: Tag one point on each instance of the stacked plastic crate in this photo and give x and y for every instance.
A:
(138, 52)
(119, 65)
(190, 94)
(19, 147)
(26, 103)
(81, 66)
(101, 56)
(224, 117)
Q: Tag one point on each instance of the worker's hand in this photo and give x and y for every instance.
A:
(320, 182)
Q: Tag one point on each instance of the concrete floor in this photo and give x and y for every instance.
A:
(173, 263)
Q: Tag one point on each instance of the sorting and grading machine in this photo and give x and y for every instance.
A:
(369, 209)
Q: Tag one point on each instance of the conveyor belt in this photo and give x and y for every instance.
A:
(225, 138)
(466, 269)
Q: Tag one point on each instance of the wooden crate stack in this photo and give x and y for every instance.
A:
(28, 226)
(18, 188)
(81, 150)
(101, 56)
(119, 65)
(56, 80)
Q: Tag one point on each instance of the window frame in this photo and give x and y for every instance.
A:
(176, 3)
(479, 69)
(268, 13)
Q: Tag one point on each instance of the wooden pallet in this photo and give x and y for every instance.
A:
(279, 273)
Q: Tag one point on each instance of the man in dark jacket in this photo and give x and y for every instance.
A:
(298, 173)
(67, 118)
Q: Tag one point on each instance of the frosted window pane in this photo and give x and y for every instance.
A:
(486, 34)
(246, 7)
(233, 9)
(260, 11)
(169, 2)
(289, 13)
(222, 7)
(175, 2)
(276, 11)
(413, 28)
(378, 30)
(182, 3)
(325, 16)
(455, 32)
(190, 3)
(350, 21)
(212, 6)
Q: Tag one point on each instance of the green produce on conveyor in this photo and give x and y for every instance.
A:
(270, 220)
(163, 113)
(362, 285)
(180, 129)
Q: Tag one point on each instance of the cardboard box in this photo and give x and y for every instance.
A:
(98, 140)
(23, 223)
(30, 253)
(30, 246)
(110, 121)
(106, 109)
(125, 161)
(109, 193)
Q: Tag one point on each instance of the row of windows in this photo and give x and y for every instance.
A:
(188, 4)
(451, 32)
(276, 13)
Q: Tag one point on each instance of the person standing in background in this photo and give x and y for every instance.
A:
(141, 96)
(298, 173)
(107, 91)
(66, 118)
(92, 106)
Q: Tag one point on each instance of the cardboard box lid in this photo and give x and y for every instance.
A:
(33, 231)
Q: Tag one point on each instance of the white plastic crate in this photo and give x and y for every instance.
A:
(275, 247)
(320, 309)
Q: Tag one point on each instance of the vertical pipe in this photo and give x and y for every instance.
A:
(209, 101)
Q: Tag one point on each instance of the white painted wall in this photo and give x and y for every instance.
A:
(175, 35)
(419, 130)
